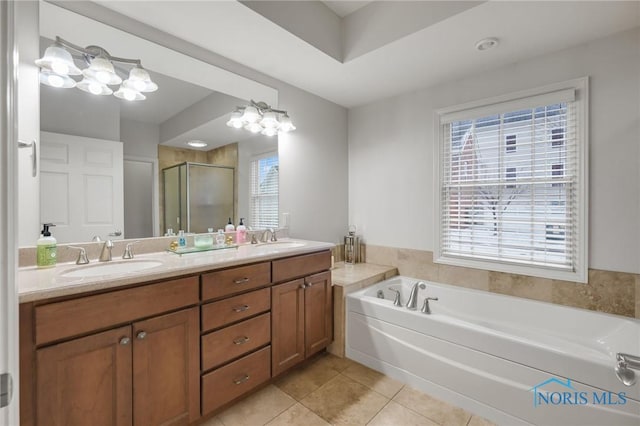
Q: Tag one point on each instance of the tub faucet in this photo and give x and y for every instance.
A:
(425, 307)
(105, 254)
(412, 304)
(397, 301)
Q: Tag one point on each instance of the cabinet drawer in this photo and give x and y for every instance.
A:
(231, 381)
(60, 320)
(233, 341)
(299, 266)
(235, 280)
(227, 311)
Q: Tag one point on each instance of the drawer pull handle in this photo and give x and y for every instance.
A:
(241, 380)
(241, 280)
(240, 308)
(240, 340)
(141, 335)
(125, 341)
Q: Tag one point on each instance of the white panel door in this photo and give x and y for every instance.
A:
(81, 187)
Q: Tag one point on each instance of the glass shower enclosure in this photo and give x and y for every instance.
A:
(198, 196)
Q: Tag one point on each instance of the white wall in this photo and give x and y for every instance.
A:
(139, 139)
(391, 141)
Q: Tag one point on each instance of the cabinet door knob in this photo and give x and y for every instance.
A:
(240, 340)
(309, 284)
(125, 341)
(241, 280)
(302, 285)
(240, 308)
(241, 380)
(141, 335)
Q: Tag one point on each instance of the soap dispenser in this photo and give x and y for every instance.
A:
(46, 248)
(229, 227)
(241, 232)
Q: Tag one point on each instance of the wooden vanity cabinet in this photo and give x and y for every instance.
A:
(301, 310)
(141, 371)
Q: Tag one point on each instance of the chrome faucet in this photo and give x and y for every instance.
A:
(128, 250)
(412, 304)
(425, 306)
(105, 254)
(397, 301)
(82, 255)
(269, 231)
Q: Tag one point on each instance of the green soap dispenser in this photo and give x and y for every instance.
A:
(47, 248)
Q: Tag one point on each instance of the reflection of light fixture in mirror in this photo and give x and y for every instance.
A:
(197, 144)
(258, 117)
(57, 64)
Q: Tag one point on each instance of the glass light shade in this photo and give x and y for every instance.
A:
(57, 59)
(235, 120)
(285, 124)
(55, 80)
(197, 143)
(140, 80)
(251, 114)
(269, 120)
(128, 93)
(253, 127)
(94, 87)
(101, 70)
(270, 131)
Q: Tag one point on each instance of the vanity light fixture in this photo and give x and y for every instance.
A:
(258, 117)
(57, 65)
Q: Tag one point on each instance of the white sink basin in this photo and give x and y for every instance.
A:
(111, 268)
(278, 245)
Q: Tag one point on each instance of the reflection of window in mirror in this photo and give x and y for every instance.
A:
(263, 200)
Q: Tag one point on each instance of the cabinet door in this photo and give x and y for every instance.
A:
(166, 370)
(86, 381)
(287, 325)
(318, 314)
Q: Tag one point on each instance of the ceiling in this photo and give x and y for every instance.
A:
(385, 48)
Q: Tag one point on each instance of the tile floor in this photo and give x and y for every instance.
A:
(337, 391)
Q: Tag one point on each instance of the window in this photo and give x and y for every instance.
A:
(519, 213)
(263, 205)
(557, 137)
(511, 143)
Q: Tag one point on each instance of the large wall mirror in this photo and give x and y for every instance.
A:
(140, 139)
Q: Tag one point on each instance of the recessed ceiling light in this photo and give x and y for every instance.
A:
(486, 43)
(197, 144)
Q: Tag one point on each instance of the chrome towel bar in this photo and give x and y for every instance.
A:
(34, 155)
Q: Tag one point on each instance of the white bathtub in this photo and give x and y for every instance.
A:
(486, 352)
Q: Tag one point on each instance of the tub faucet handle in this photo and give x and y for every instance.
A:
(425, 306)
(397, 301)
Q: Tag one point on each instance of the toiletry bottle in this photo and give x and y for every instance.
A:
(182, 240)
(229, 227)
(47, 248)
(220, 238)
(241, 232)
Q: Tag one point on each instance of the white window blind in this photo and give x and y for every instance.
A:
(502, 208)
(263, 204)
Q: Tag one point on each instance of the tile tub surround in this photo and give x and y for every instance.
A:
(606, 291)
(337, 391)
(346, 279)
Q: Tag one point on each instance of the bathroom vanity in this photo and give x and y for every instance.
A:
(139, 349)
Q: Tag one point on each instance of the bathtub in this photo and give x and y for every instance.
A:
(511, 360)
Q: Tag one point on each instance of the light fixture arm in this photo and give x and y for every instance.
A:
(95, 51)
(263, 107)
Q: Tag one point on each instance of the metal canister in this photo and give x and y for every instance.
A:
(351, 247)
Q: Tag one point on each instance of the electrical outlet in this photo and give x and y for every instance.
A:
(286, 220)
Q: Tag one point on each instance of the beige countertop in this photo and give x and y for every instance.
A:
(38, 284)
(346, 275)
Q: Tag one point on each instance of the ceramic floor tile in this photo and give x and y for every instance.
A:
(343, 401)
(480, 421)
(335, 362)
(214, 421)
(373, 380)
(432, 408)
(394, 414)
(298, 415)
(302, 382)
(258, 408)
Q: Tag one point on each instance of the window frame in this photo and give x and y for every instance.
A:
(580, 272)
(253, 159)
